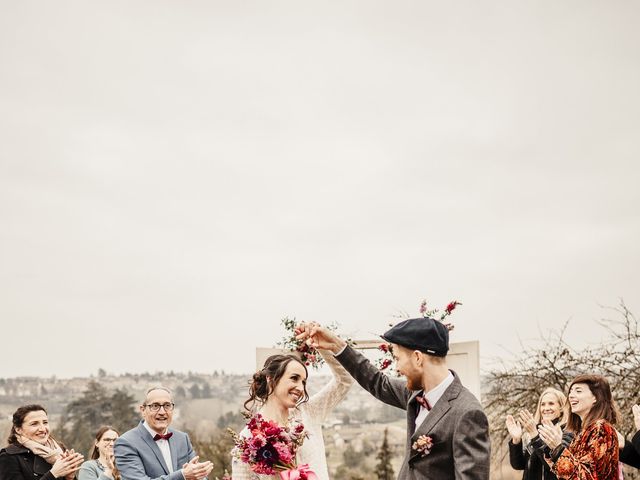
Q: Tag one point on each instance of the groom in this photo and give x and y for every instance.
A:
(447, 430)
(152, 450)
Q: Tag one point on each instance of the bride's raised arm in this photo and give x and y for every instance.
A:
(322, 403)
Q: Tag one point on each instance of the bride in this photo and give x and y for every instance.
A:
(280, 392)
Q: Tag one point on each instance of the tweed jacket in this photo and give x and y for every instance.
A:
(457, 425)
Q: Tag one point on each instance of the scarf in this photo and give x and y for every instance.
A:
(50, 451)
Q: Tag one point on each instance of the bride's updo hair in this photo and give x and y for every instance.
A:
(264, 381)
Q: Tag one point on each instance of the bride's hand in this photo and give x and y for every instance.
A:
(320, 337)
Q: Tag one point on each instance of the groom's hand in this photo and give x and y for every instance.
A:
(320, 337)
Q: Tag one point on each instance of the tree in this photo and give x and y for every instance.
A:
(97, 407)
(195, 391)
(232, 420)
(84, 416)
(123, 414)
(555, 362)
(352, 458)
(384, 470)
(180, 393)
(206, 391)
(215, 448)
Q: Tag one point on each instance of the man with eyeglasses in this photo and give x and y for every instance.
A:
(152, 450)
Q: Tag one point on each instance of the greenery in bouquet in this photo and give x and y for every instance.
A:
(309, 355)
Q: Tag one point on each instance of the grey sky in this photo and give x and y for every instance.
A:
(177, 176)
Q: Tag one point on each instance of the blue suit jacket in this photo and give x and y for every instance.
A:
(139, 458)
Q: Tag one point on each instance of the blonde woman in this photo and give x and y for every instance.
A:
(526, 450)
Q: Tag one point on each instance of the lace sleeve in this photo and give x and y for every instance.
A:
(241, 471)
(320, 405)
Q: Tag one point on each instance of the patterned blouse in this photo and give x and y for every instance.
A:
(593, 454)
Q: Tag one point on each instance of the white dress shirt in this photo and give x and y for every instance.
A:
(432, 396)
(163, 445)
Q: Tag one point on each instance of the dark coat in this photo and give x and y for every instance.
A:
(531, 459)
(630, 454)
(20, 463)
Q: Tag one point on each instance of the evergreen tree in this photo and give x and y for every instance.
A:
(195, 391)
(84, 416)
(215, 448)
(97, 407)
(352, 458)
(123, 413)
(384, 470)
(206, 391)
(180, 393)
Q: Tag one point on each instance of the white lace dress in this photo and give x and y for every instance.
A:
(312, 414)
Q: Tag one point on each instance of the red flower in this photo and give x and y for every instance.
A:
(452, 306)
(385, 364)
(384, 347)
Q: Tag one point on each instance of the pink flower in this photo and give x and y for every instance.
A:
(423, 445)
(423, 307)
(284, 453)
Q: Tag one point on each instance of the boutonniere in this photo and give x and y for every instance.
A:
(423, 445)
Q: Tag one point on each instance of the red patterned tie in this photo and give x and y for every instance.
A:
(423, 402)
(166, 436)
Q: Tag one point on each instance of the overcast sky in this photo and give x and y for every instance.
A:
(175, 177)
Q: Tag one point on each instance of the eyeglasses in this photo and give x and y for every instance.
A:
(155, 407)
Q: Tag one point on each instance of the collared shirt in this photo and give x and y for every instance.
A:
(432, 397)
(163, 445)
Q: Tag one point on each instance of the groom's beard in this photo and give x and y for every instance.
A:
(414, 384)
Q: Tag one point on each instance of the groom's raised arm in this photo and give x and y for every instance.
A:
(392, 391)
(389, 390)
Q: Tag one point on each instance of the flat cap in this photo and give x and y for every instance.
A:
(424, 334)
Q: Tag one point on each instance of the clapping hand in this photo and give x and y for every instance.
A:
(67, 464)
(514, 428)
(550, 434)
(110, 466)
(194, 470)
(528, 422)
(636, 415)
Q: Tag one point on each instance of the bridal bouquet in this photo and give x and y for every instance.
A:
(270, 449)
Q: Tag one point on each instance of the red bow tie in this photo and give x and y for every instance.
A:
(423, 402)
(166, 436)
